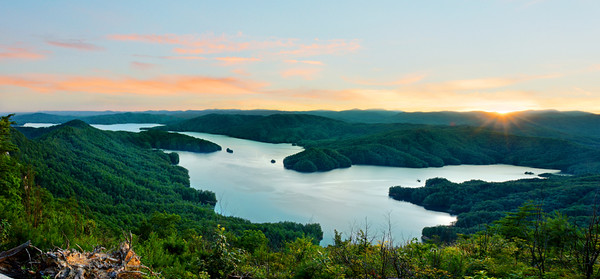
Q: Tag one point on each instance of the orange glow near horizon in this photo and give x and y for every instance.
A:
(248, 93)
(162, 85)
(211, 55)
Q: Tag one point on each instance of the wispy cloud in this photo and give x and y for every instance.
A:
(331, 47)
(310, 62)
(236, 60)
(409, 100)
(183, 57)
(162, 39)
(204, 44)
(171, 57)
(212, 44)
(410, 93)
(162, 85)
(7, 52)
(75, 44)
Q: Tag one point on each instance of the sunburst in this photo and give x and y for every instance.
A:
(503, 121)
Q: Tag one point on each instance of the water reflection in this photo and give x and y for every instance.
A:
(248, 185)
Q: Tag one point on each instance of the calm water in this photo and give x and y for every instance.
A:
(248, 185)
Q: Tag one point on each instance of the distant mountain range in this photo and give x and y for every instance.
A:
(577, 126)
(334, 143)
(568, 141)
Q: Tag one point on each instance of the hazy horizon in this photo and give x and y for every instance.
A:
(313, 110)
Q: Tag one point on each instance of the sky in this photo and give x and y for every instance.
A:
(457, 55)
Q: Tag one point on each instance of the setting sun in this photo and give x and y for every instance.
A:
(505, 111)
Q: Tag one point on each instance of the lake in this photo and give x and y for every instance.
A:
(249, 186)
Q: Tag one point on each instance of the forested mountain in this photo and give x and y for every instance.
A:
(147, 139)
(275, 128)
(108, 172)
(575, 125)
(121, 181)
(75, 184)
(436, 146)
(332, 143)
(562, 140)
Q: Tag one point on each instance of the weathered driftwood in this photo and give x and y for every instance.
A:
(72, 264)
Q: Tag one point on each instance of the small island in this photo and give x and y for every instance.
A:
(273, 161)
(229, 150)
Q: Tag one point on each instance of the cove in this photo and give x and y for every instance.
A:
(250, 186)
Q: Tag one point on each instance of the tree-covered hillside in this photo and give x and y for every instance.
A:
(579, 126)
(77, 185)
(276, 128)
(108, 172)
(479, 203)
(147, 139)
(436, 146)
(400, 145)
(52, 189)
(120, 180)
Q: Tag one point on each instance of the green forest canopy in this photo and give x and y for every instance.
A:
(400, 145)
(183, 239)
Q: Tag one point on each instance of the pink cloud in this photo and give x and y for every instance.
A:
(162, 85)
(236, 60)
(336, 47)
(172, 57)
(204, 44)
(19, 53)
(162, 39)
(35, 83)
(183, 57)
(76, 44)
(310, 62)
(211, 44)
(189, 51)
